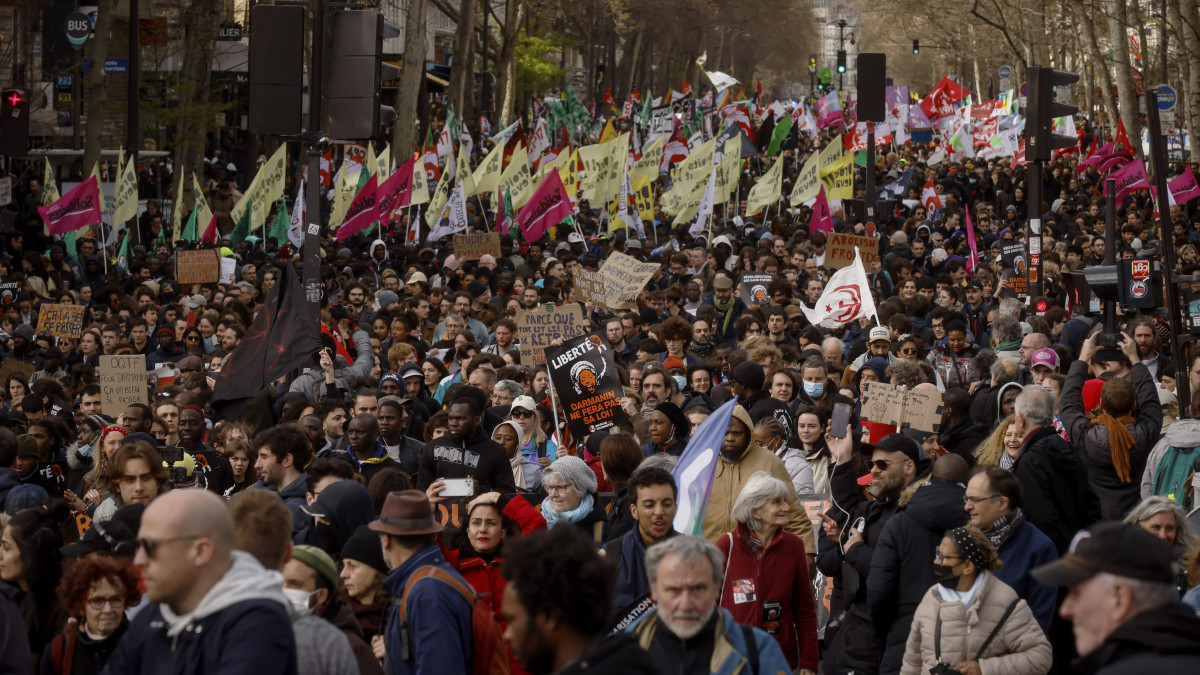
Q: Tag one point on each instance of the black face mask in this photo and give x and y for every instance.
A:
(944, 575)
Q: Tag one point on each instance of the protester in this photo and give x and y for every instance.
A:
(653, 503)
(95, 593)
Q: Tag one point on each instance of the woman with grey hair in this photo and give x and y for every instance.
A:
(1166, 520)
(766, 571)
(570, 487)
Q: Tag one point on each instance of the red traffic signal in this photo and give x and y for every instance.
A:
(14, 97)
(14, 122)
(1041, 304)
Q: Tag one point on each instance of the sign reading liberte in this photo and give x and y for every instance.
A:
(585, 379)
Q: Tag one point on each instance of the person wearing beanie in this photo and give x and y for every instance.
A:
(312, 575)
(748, 380)
(363, 571)
(167, 351)
(571, 489)
(386, 300)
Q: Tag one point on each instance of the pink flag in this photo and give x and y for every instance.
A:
(362, 211)
(1113, 161)
(548, 205)
(78, 208)
(974, 259)
(396, 191)
(1184, 187)
(1129, 178)
(821, 218)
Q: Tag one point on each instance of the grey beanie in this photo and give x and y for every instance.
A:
(577, 471)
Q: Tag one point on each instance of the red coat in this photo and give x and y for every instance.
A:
(780, 579)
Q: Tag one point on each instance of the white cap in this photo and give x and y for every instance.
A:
(879, 333)
(574, 238)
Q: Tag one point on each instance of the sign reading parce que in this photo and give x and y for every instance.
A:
(537, 328)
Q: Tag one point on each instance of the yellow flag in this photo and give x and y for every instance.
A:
(371, 165)
(677, 200)
(177, 205)
(602, 170)
(342, 198)
(766, 191)
(384, 162)
(728, 171)
(699, 163)
(462, 171)
(270, 187)
(808, 183)
(205, 213)
(517, 177)
(839, 180)
(420, 193)
(437, 201)
(650, 162)
(487, 174)
(608, 134)
(50, 192)
(832, 153)
(125, 199)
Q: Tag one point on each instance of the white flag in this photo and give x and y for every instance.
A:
(704, 213)
(506, 133)
(628, 212)
(720, 81)
(296, 226)
(847, 297)
(540, 142)
(453, 217)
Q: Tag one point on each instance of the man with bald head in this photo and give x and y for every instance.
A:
(207, 597)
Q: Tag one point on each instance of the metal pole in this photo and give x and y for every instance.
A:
(871, 202)
(1110, 250)
(310, 255)
(1035, 228)
(1158, 156)
(135, 78)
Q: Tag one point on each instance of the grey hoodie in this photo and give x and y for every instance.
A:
(246, 579)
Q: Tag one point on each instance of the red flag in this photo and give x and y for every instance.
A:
(78, 208)
(548, 205)
(510, 146)
(210, 231)
(929, 198)
(396, 191)
(940, 101)
(687, 87)
(972, 261)
(1122, 137)
(362, 212)
(757, 90)
(822, 219)
(608, 98)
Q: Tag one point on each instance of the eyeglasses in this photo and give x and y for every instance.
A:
(909, 351)
(883, 464)
(116, 601)
(522, 413)
(151, 545)
(940, 558)
(974, 501)
(552, 489)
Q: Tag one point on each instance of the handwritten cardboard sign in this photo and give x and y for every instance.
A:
(624, 278)
(585, 379)
(61, 320)
(902, 406)
(197, 267)
(840, 251)
(10, 365)
(474, 246)
(536, 328)
(589, 287)
(122, 382)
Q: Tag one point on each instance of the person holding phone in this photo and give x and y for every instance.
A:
(465, 452)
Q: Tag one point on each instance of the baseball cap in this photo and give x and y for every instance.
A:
(879, 333)
(417, 278)
(320, 561)
(749, 374)
(723, 283)
(974, 283)
(1044, 357)
(902, 444)
(1123, 549)
(525, 402)
(574, 238)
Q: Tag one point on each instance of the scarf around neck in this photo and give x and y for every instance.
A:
(727, 309)
(573, 516)
(1002, 528)
(1120, 441)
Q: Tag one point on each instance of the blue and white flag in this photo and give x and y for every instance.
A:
(696, 467)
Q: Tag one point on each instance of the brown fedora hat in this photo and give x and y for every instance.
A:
(406, 512)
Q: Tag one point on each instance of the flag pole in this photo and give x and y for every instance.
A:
(482, 213)
(553, 400)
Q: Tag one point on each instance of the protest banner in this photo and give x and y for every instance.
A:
(840, 251)
(902, 407)
(753, 289)
(589, 287)
(585, 379)
(474, 246)
(814, 506)
(1016, 268)
(122, 382)
(197, 267)
(9, 289)
(11, 365)
(625, 277)
(536, 328)
(228, 267)
(61, 320)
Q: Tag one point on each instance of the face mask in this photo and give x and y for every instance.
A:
(298, 600)
(944, 575)
(814, 389)
(681, 381)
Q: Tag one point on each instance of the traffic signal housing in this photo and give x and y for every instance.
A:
(14, 122)
(916, 46)
(1040, 139)
(841, 61)
(812, 64)
(276, 69)
(356, 75)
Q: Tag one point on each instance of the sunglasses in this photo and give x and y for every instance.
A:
(522, 413)
(909, 351)
(883, 464)
(151, 545)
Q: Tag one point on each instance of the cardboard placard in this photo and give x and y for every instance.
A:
(122, 383)
(10, 366)
(753, 289)
(197, 267)
(474, 246)
(589, 287)
(585, 380)
(228, 267)
(536, 328)
(840, 250)
(902, 406)
(624, 278)
(61, 320)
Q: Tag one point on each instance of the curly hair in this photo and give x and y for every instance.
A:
(557, 573)
(81, 575)
(675, 328)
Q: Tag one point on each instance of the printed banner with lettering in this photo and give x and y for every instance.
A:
(472, 246)
(753, 289)
(1016, 268)
(625, 277)
(839, 178)
(840, 252)
(197, 267)
(61, 320)
(536, 328)
(122, 382)
(78, 208)
(585, 380)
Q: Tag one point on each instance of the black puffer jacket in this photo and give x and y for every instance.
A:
(1164, 641)
(1054, 487)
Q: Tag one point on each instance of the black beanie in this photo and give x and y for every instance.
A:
(364, 547)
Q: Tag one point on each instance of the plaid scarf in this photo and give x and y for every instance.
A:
(1003, 527)
(756, 546)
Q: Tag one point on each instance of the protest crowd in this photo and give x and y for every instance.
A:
(612, 397)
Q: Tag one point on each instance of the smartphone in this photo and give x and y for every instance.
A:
(459, 487)
(860, 524)
(841, 417)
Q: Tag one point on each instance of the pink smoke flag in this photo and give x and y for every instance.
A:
(973, 261)
(548, 205)
(1129, 178)
(78, 208)
(822, 219)
(362, 211)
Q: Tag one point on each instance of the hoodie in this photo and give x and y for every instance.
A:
(1183, 434)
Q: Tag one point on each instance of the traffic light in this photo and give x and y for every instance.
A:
(356, 74)
(841, 61)
(276, 69)
(1040, 139)
(916, 46)
(812, 64)
(872, 87)
(14, 122)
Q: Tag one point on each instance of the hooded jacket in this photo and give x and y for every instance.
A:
(1163, 641)
(1181, 434)
(240, 627)
(731, 477)
(962, 438)
(1092, 442)
(476, 456)
(1054, 487)
(902, 564)
(346, 375)
(630, 554)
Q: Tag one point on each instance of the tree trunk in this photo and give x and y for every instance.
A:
(404, 134)
(506, 62)
(1191, 45)
(630, 58)
(1037, 29)
(1117, 11)
(200, 31)
(461, 69)
(1083, 17)
(97, 51)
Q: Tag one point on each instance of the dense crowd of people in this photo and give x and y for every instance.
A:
(411, 500)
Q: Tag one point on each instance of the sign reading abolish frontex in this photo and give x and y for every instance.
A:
(585, 379)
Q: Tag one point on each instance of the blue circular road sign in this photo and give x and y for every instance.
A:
(1166, 97)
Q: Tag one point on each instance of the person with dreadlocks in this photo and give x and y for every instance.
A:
(1115, 441)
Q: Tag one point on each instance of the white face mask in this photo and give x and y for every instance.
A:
(299, 600)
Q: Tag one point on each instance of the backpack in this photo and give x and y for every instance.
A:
(1173, 475)
(489, 655)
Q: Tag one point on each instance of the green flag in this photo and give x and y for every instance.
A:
(782, 129)
(190, 231)
(241, 230)
(279, 228)
(825, 76)
(513, 230)
(123, 254)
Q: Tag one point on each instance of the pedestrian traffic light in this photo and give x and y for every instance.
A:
(357, 72)
(276, 69)
(1040, 139)
(916, 46)
(14, 122)
(841, 61)
(812, 64)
